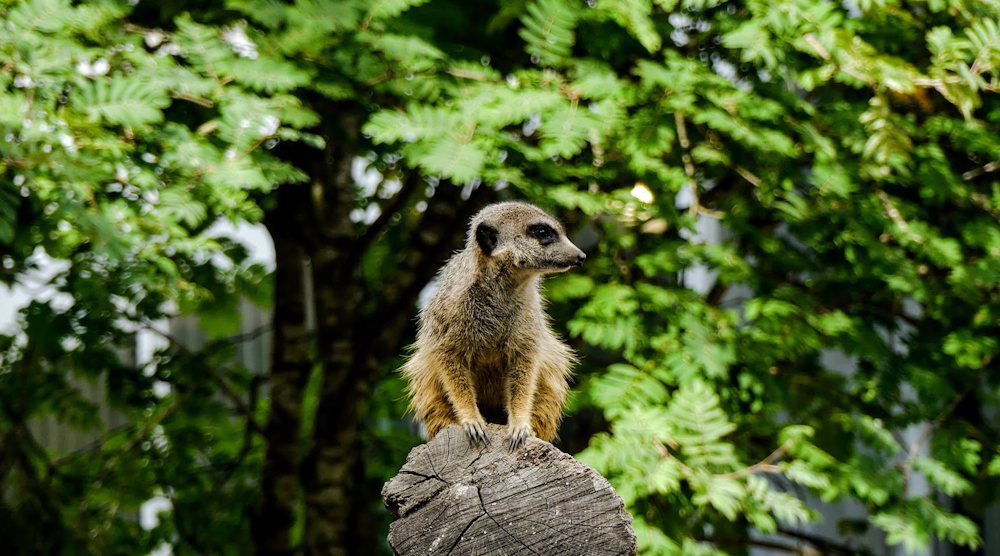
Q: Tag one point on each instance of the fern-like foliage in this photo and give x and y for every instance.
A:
(701, 427)
(625, 386)
(384, 9)
(549, 29)
(117, 100)
(456, 158)
(247, 121)
(203, 47)
(634, 15)
(419, 122)
(41, 15)
(267, 75)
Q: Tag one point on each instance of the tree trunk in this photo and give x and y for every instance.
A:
(330, 501)
(451, 498)
(290, 367)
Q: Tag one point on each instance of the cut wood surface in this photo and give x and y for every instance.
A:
(453, 498)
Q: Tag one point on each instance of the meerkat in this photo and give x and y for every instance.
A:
(485, 351)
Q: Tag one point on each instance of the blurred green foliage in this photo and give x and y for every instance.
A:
(827, 167)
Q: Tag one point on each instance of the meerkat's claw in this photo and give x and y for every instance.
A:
(518, 434)
(476, 433)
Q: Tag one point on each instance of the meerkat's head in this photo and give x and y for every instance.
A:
(524, 238)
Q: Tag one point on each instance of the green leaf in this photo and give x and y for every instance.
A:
(239, 173)
(177, 204)
(624, 385)
(418, 122)
(120, 100)
(549, 29)
(13, 108)
(43, 15)
(461, 161)
(634, 16)
(268, 75)
(725, 495)
(948, 480)
(383, 9)
(701, 426)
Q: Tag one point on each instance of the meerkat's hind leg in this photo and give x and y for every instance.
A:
(436, 412)
(547, 411)
(550, 397)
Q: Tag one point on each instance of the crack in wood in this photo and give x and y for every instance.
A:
(415, 474)
(547, 526)
(482, 504)
(462, 534)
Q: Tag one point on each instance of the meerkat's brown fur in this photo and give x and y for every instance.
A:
(485, 351)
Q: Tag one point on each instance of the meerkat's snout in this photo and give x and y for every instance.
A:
(569, 256)
(580, 256)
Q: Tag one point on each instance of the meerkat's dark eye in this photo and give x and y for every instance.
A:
(543, 233)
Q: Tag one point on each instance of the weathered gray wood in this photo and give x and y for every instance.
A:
(450, 498)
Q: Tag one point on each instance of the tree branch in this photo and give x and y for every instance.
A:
(937, 422)
(824, 544)
(682, 136)
(248, 432)
(989, 167)
(715, 295)
(409, 185)
(893, 213)
(131, 443)
(211, 372)
(762, 543)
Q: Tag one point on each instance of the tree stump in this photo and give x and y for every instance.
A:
(455, 499)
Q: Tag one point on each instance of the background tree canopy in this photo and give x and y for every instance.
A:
(827, 169)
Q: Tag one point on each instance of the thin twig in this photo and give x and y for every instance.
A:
(766, 465)
(983, 202)
(466, 74)
(762, 543)
(990, 167)
(665, 453)
(212, 373)
(132, 442)
(823, 543)
(196, 100)
(410, 184)
(817, 46)
(893, 213)
(247, 446)
(825, 54)
(682, 137)
(939, 83)
(250, 336)
(748, 175)
(911, 456)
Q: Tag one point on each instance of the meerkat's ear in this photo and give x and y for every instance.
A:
(487, 238)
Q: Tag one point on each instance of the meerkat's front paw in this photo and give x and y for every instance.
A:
(517, 434)
(475, 431)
